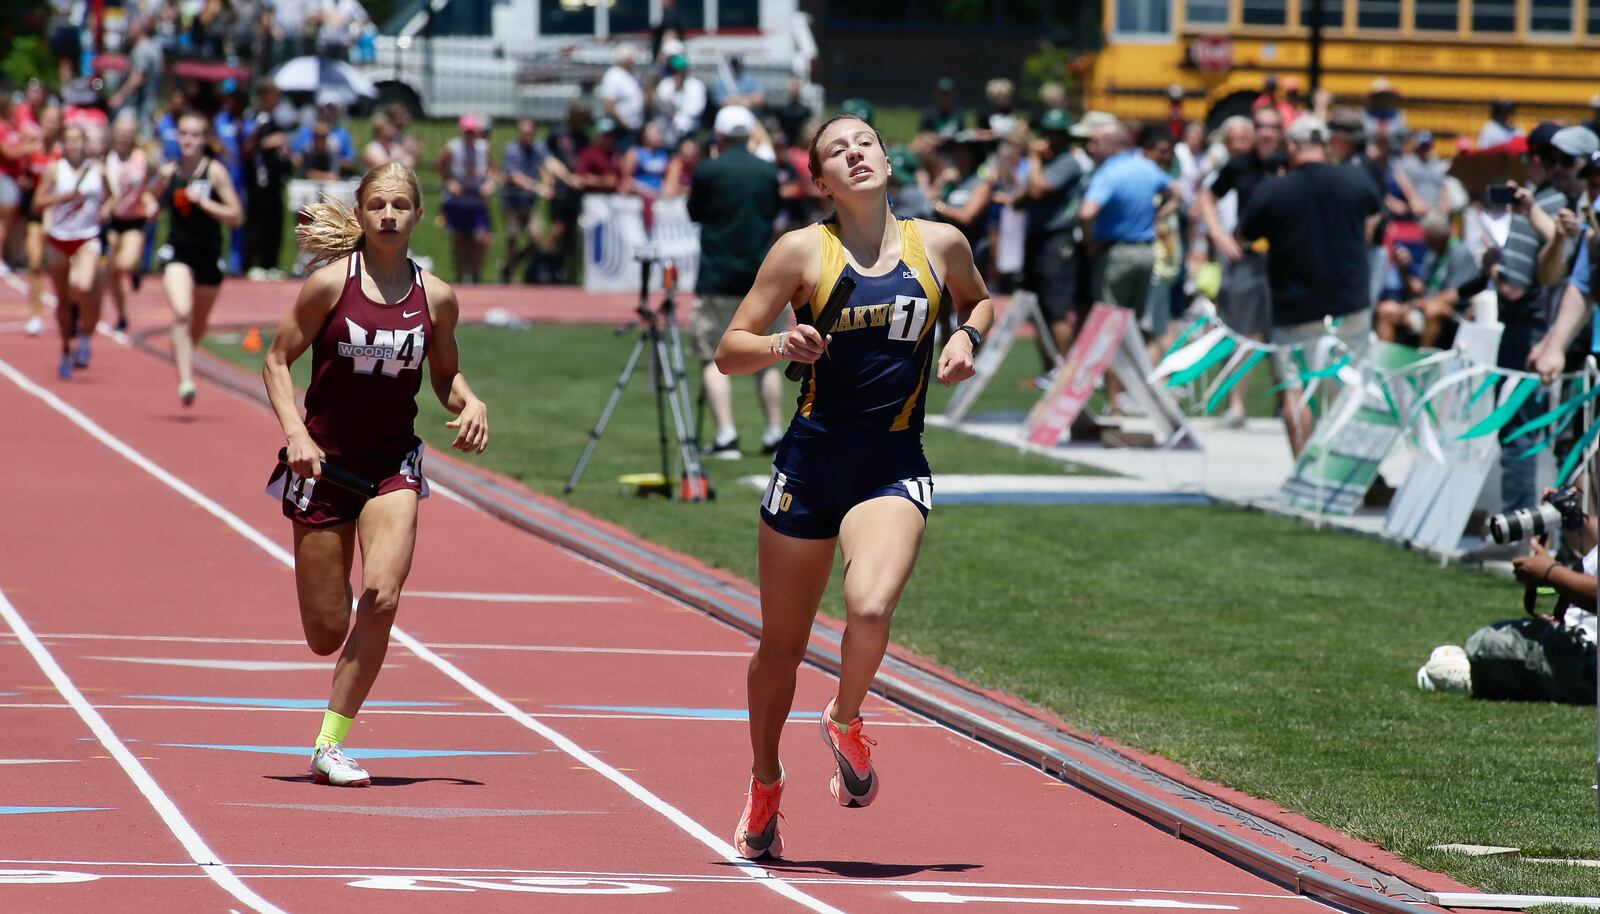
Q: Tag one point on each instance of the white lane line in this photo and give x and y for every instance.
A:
(234, 522)
(950, 898)
(289, 642)
(209, 863)
(509, 597)
(417, 712)
(237, 666)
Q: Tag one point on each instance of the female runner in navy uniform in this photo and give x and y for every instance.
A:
(850, 470)
(371, 317)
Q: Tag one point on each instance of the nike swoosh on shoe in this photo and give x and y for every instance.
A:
(857, 786)
(764, 840)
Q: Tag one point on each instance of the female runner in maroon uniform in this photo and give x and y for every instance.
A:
(370, 316)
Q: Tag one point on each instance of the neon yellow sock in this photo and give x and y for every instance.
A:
(335, 727)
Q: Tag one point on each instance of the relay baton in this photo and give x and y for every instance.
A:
(344, 479)
(826, 319)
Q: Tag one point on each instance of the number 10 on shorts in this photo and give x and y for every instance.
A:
(777, 501)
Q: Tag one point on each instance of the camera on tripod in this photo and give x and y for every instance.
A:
(1562, 508)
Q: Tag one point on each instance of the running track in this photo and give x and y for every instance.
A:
(545, 727)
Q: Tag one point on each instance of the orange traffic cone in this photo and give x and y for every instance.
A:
(251, 341)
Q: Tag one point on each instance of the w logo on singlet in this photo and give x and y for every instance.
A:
(396, 349)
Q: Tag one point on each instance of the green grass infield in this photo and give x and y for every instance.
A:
(1257, 652)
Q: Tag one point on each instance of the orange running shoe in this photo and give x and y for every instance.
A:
(757, 835)
(855, 784)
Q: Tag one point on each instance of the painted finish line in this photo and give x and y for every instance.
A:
(539, 885)
(562, 885)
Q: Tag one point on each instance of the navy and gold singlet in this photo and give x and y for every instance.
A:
(857, 433)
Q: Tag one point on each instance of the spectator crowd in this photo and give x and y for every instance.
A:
(1310, 210)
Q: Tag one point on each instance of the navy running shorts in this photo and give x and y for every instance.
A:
(818, 476)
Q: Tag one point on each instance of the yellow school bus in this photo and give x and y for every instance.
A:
(1447, 58)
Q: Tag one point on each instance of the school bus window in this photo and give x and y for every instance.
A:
(1332, 14)
(1206, 12)
(1378, 14)
(1594, 20)
(1438, 15)
(1144, 17)
(1263, 12)
(1550, 17)
(1494, 15)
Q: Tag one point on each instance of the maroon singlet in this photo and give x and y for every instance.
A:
(366, 369)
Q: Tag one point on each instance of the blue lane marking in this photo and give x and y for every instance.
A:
(353, 753)
(21, 810)
(1073, 498)
(308, 703)
(703, 713)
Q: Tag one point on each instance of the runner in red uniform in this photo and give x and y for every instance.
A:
(371, 317)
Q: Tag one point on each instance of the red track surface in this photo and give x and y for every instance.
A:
(113, 569)
(244, 302)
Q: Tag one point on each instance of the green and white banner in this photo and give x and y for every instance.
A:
(1341, 460)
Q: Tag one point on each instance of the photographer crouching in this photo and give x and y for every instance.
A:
(1548, 654)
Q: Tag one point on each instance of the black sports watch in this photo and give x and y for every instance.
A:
(972, 334)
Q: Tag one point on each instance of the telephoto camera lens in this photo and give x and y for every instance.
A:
(1524, 523)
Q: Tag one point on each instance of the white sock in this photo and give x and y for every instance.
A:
(726, 434)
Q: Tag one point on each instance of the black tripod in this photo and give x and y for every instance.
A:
(658, 335)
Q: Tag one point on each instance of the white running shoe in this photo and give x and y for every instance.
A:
(34, 326)
(1447, 670)
(329, 765)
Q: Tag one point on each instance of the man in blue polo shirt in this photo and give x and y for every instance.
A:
(1119, 213)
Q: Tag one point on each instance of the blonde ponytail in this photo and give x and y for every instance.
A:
(329, 231)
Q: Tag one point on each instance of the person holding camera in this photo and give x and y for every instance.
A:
(1545, 655)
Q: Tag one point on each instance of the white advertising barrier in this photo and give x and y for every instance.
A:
(1434, 503)
(614, 237)
(1023, 307)
(303, 193)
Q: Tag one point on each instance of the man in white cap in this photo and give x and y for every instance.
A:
(735, 200)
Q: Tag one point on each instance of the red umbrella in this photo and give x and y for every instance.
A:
(210, 71)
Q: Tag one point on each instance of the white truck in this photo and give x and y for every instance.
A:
(535, 58)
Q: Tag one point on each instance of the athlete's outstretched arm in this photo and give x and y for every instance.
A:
(968, 293)
(471, 420)
(745, 347)
(294, 334)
